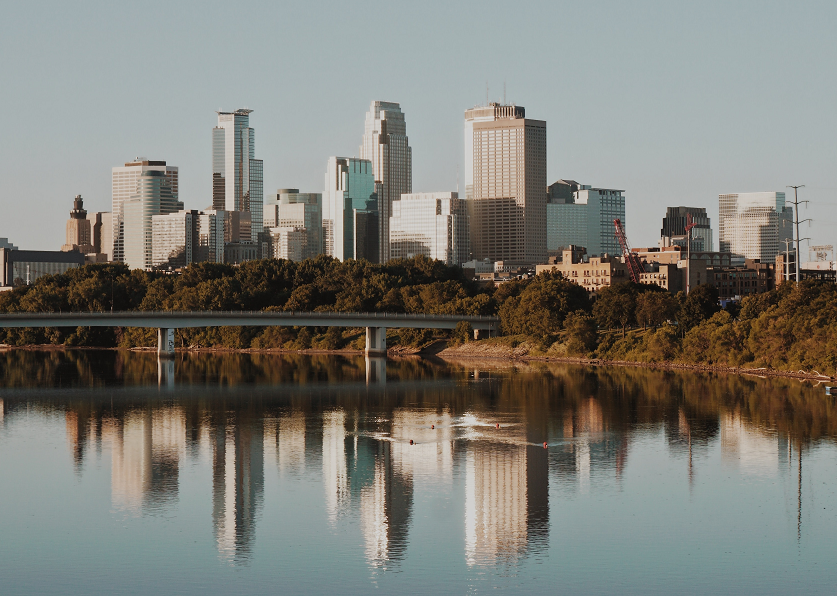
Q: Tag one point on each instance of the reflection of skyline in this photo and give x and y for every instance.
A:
(506, 497)
(237, 482)
(357, 443)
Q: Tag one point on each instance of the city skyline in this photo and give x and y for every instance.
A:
(666, 124)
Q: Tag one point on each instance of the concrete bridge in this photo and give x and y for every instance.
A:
(166, 322)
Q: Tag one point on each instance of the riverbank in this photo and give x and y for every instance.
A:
(472, 351)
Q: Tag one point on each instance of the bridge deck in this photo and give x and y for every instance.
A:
(184, 319)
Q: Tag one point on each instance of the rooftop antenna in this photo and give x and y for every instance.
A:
(504, 92)
(486, 93)
(457, 179)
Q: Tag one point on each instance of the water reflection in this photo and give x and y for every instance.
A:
(375, 447)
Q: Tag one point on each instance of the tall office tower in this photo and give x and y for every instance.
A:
(507, 179)
(754, 225)
(78, 235)
(174, 239)
(386, 145)
(350, 210)
(210, 237)
(290, 208)
(237, 177)
(153, 197)
(673, 231)
(579, 215)
(433, 224)
(124, 185)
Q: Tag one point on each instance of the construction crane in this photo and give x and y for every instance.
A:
(689, 225)
(635, 268)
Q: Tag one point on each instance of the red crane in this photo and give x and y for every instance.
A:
(689, 225)
(635, 268)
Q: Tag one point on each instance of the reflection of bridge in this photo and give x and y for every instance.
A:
(376, 324)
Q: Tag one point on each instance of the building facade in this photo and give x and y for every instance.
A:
(754, 225)
(153, 196)
(210, 237)
(433, 224)
(673, 232)
(350, 210)
(508, 175)
(101, 229)
(289, 243)
(124, 186)
(237, 176)
(386, 145)
(303, 211)
(23, 267)
(174, 239)
(592, 275)
(581, 215)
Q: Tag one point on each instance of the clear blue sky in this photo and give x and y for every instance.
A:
(674, 102)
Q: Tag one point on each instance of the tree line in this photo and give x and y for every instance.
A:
(792, 326)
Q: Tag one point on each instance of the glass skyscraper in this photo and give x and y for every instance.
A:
(386, 145)
(433, 224)
(754, 225)
(237, 177)
(350, 210)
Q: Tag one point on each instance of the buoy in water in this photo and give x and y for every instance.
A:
(432, 426)
(544, 444)
(411, 442)
(498, 425)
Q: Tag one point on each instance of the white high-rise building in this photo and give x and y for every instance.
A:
(153, 196)
(303, 211)
(506, 180)
(350, 210)
(237, 177)
(386, 145)
(754, 225)
(433, 224)
(124, 185)
(210, 233)
(174, 239)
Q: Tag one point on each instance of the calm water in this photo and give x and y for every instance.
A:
(241, 474)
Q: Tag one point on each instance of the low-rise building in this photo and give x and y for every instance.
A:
(734, 283)
(23, 267)
(593, 274)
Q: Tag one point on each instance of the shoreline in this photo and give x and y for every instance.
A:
(457, 353)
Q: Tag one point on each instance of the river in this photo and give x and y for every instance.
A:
(255, 473)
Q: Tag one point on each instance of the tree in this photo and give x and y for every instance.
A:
(542, 305)
(699, 305)
(616, 306)
(655, 308)
(581, 333)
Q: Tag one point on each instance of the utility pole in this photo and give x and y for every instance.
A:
(796, 222)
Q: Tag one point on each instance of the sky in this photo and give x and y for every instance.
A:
(673, 102)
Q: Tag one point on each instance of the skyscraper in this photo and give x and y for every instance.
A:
(174, 239)
(580, 215)
(754, 225)
(433, 224)
(153, 197)
(350, 210)
(505, 179)
(124, 185)
(300, 211)
(237, 177)
(673, 231)
(386, 145)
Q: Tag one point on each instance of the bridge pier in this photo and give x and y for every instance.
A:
(165, 342)
(376, 341)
